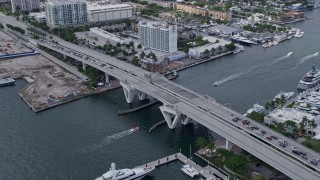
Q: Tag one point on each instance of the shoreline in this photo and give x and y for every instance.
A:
(186, 66)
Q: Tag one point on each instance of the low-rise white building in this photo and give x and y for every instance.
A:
(285, 114)
(39, 17)
(107, 37)
(214, 43)
(107, 12)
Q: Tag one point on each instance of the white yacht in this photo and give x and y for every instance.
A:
(125, 174)
(309, 80)
(190, 171)
(286, 95)
(256, 108)
(299, 33)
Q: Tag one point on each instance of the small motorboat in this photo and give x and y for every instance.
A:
(134, 129)
(290, 53)
(190, 171)
(316, 54)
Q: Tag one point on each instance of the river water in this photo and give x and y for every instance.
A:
(79, 140)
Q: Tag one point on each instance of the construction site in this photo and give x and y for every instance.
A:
(49, 84)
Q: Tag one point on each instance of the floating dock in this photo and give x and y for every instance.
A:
(207, 172)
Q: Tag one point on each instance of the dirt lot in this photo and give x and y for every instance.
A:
(9, 46)
(51, 83)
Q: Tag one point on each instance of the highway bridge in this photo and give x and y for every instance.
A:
(181, 105)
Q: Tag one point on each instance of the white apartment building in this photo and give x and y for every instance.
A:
(61, 13)
(25, 5)
(158, 36)
(108, 12)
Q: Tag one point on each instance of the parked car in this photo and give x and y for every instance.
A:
(274, 137)
(269, 138)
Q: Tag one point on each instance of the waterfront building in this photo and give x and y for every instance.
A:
(108, 12)
(158, 36)
(61, 13)
(291, 16)
(107, 37)
(200, 52)
(25, 5)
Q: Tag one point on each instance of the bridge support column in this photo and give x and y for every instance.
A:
(228, 144)
(107, 78)
(170, 113)
(142, 96)
(129, 91)
(185, 119)
(84, 66)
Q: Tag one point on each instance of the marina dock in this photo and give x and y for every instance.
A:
(207, 172)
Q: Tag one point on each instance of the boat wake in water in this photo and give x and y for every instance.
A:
(307, 57)
(281, 58)
(226, 79)
(108, 140)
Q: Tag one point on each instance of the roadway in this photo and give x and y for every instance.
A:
(201, 109)
(208, 113)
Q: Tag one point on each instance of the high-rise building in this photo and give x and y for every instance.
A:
(66, 13)
(158, 36)
(25, 5)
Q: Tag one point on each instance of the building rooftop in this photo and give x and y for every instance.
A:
(224, 28)
(57, 2)
(101, 7)
(212, 44)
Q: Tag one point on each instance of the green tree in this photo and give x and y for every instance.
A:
(139, 46)
(142, 55)
(201, 142)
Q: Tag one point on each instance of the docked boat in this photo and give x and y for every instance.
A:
(241, 40)
(310, 79)
(190, 171)
(172, 75)
(256, 108)
(125, 174)
(299, 33)
(286, 95)
(238, 48)
(6, 82)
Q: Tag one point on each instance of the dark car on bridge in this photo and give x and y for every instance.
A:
(245, 122)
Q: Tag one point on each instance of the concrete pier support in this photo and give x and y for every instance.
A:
(84, 66)
(142, 96)
(107, 78)
(185, 119)
(228, 144)
(129, 91)
(169, 113)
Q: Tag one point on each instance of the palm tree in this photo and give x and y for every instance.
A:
(210, 145)
(142, 55)
(201, 142)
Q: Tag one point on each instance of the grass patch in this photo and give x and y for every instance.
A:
(312, 144)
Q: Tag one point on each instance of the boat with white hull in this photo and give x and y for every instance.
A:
(190, 171)
(309, 80)
(125, 174)
(6, 82)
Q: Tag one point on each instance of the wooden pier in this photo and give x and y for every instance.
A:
(207, 172)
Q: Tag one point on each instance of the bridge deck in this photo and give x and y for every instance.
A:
(203, 110)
